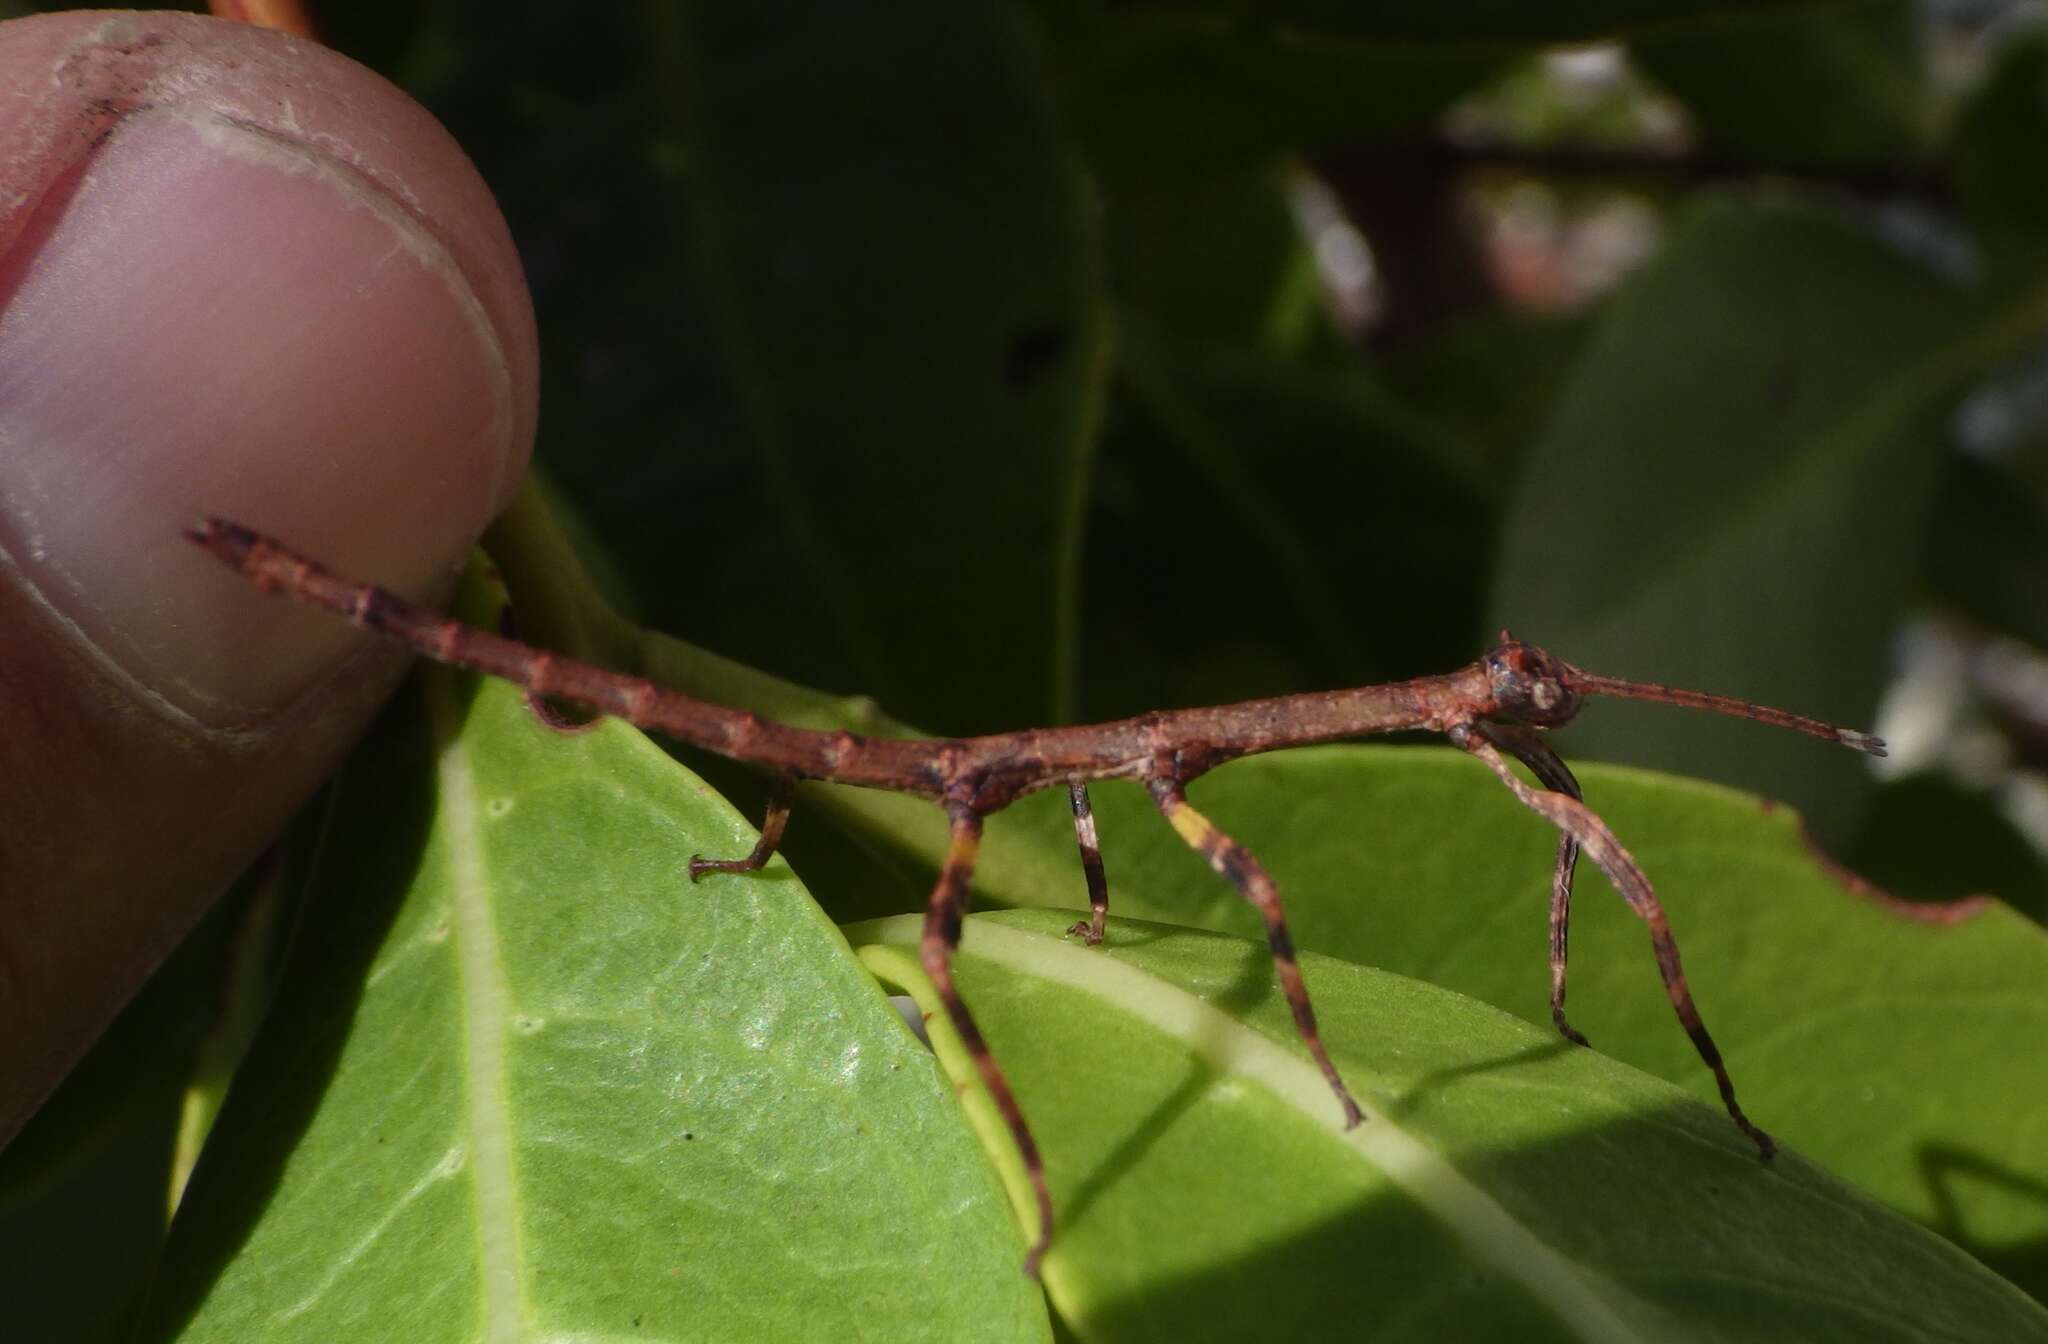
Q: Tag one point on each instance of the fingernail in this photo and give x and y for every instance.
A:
(208, 319)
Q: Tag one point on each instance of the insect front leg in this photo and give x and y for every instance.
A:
(1233, 861)
(942, 918)
(773, 819)
(1575, 819)
(1091, 928)
(1556, 776)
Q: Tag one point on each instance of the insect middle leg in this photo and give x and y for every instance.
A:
(1578, 821)
(1090, 929)
(942, 918)
(773, 819)
(1556, 776)
(1233, 861)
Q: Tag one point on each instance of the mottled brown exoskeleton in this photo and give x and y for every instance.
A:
(1493, 706)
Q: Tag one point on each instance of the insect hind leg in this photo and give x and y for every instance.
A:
(935, 949)
(1236, 863)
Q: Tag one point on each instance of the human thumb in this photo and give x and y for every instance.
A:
(239, 275)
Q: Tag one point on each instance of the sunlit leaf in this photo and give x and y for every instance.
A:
(1879, 1044)
(525, 1079)
(1503, 1183)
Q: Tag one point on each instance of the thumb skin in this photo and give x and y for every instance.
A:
(239, 275)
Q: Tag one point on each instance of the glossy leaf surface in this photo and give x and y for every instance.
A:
(1415, 860)
(1878, 1044)
(1503, 1183)
(525, 1081)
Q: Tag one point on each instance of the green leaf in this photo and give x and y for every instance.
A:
(1503, 1184)
(1879, 1045)
(1492, 378)
(1734, 484)
(1218, 258)
(909, 307)
(1468, 23)
(1988, 551)
(1840, 86)
(1416, 861)
(818, 292)
(525, 1079)
(1998, 158)
(1221, 435)
(1177, 97)
(1930, 836)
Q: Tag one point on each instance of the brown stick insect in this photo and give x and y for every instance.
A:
(1493, 706)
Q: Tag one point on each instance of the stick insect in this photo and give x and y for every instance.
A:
(1492, 708)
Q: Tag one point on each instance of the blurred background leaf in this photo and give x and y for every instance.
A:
(1725, 491)
(1842, 87)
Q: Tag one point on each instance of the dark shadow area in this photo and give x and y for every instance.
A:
(83, 1186)
(1949, 1171)
(1436, 1079)
(1573, 1222)
(1704, 1247)
(1252, 986)
(1928, 837)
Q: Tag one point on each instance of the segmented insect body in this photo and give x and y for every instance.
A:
(1491, 709)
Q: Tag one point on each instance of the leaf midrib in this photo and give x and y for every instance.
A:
(483, 1003)
(1232, 1049)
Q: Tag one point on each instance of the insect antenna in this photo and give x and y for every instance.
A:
(1592, 683)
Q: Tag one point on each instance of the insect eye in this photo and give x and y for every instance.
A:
(1545, 695)
(1509, 660)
